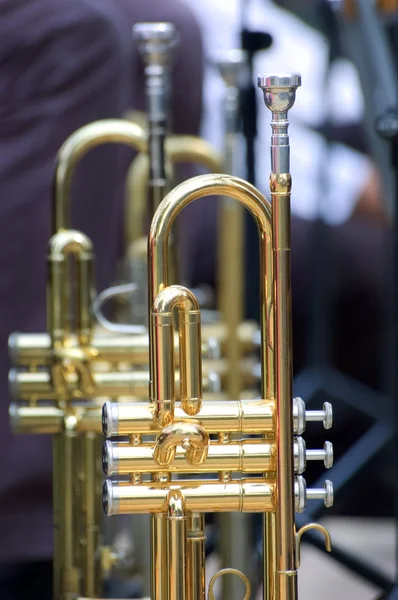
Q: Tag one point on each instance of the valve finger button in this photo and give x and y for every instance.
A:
(325, 494)
(325, 415)
(326, 455)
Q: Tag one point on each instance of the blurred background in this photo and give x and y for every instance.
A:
(65, 63)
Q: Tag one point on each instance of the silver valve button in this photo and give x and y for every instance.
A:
(301, 455)
(302, 494)
(302, 416)
(325, 494)
(325, 415)
(326, 455)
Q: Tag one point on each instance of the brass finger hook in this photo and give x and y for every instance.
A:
(304, 529)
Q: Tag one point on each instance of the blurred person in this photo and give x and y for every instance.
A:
(63, 64)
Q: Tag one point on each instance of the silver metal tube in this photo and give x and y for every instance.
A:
(156, 42)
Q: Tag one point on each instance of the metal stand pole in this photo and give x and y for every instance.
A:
(252, 42)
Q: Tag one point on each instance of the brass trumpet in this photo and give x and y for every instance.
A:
(261, 474)
(64, 367)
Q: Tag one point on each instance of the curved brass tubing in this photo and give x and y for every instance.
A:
(191, 436)
(158, 269)
(178, 149)
(158, 279)
(106, 131)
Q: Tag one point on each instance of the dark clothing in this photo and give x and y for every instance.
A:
(26, 580)
(63, 64)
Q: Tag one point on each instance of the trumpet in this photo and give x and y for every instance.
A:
(260, 470)
(64, 369)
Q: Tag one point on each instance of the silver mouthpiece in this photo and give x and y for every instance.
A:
(233, 67)
(279, 96)
(155, 42)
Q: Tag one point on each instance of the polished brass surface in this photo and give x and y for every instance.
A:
(74, 385)
(48, 419)
(33, 349)
(250, 495)
(317, 527)
(254, 456)
(106, 131)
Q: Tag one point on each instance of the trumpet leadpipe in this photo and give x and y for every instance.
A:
(254, 456)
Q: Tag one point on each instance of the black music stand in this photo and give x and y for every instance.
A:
(252, 42)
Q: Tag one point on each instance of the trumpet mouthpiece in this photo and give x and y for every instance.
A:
(155, 41)
(279, 90)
